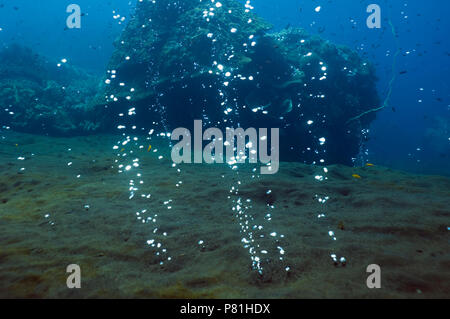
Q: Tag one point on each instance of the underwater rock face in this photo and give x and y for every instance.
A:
(181, 61)
(39, 96)
(177, 62)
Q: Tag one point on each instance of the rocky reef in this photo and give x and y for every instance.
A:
(41, 96)
(178, 61)
(186, 60)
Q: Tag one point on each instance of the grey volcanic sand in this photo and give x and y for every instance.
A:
(393, 219)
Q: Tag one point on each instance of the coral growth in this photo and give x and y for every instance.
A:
(39, 96)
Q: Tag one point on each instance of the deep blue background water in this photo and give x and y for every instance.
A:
(401, 137)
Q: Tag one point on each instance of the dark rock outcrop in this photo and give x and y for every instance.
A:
(181, 61)
(178, 61)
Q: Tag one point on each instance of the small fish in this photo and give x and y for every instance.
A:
(370, 164)
(403, 72)
(149, 148)
(356, 176)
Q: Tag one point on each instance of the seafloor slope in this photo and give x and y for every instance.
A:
(390, 218)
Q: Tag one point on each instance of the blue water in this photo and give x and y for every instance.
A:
(411, 134)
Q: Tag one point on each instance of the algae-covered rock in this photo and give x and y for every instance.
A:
(178, 61)
(169, 42)
(37, 95)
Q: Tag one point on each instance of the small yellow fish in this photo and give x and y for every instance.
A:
(356, 176)
(122, 150)
(369, 164)
(17, 145)
(149, 148)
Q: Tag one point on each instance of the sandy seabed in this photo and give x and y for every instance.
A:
(390, 218)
